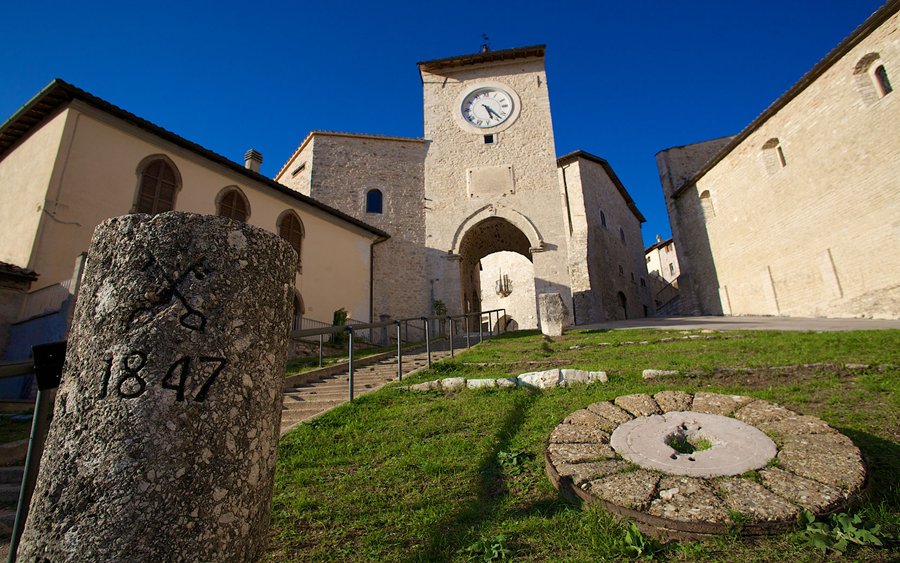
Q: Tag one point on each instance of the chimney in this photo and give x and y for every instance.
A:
(658, 237)
(252, 160)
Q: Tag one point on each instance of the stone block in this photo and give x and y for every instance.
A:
(481, 383)
(507, 382)
(553, 313)
(654, 373)
(570, 376)
(453, 383)
(540, 379)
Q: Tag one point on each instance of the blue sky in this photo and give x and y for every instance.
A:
(626, 79)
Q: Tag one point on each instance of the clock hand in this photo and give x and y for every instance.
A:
(490, 111)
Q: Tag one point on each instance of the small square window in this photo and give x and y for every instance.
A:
(488, 139)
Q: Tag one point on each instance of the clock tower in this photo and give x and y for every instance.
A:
(490, 174)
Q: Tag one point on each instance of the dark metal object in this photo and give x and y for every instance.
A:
(451, 336)
(399, 355)
(427, 340)
(350, 345)
(48, 365)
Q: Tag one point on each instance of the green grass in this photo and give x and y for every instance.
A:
(400, 476)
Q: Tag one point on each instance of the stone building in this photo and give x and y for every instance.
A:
(483, 181)
(69, 160)
(662, 260)
(794, 215)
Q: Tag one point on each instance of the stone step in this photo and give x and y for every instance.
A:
(9, 494)
(11, 474)
(7, 520)
(310, 405)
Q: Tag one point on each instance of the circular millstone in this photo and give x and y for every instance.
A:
(668, 443)
(738, 473)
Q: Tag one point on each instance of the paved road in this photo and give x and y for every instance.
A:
(748, 323)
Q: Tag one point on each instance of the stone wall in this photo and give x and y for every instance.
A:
(512, 179)
(339, 171)
(698, 285)
(601, 263)
(809, 236)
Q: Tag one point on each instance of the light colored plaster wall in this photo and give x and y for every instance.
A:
(100, 181)
(520, 304)
(344, 169)
(606, 250)
(809, 239)
(527, 145)
(698, 284)
(25, 176)
(664, 261)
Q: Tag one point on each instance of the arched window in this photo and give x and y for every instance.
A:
(706, 202)
(882, 80)
(231, 203)
(374, 201)
(291, 229)
(773, 155)
(602, 219)
(871, 77)
(622, 234)
(159, 183)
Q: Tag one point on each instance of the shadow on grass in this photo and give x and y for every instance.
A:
(517, 335)
(448, 535)
(883, 461)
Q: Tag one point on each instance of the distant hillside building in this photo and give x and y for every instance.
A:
(662, 260)
(797, 215)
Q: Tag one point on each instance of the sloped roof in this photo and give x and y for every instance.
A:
(12, 271)
(59, 93)
(483, 57)
(873, 22)
(573, 156)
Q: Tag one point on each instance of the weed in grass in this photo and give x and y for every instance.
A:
(513, 462)
(838, 533)
(635, 545)
(488, 549)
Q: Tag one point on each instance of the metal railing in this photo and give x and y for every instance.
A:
(400, 327)
(47, 368)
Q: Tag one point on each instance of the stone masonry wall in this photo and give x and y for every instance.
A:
(527, 146)
(809, 238)
(591, 191)
(698, 282)
(343, 168)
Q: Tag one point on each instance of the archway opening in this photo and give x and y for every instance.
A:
(507, 282)
(495, 236)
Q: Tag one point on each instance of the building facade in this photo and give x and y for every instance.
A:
(482, 183)
(793, 215)
(69, 160)
(662, 260)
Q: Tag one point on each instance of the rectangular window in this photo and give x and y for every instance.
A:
(488, 139)
(299, 169)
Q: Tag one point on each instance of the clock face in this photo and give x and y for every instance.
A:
(487, 107)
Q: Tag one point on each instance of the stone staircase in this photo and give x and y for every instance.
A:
(308, 400)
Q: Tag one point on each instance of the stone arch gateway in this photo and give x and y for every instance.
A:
(487, 237)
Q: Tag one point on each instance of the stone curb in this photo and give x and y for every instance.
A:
(547, 379)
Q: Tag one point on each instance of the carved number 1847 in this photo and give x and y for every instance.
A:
(131, 383)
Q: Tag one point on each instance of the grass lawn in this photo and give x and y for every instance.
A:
(401, 476)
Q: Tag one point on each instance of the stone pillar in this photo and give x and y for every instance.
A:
(163, 442)
(553, 313)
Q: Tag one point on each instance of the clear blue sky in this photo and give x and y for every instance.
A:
(626, 79)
